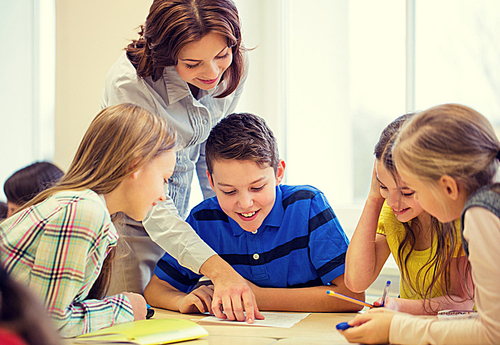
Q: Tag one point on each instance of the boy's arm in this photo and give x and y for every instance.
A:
(367, 251)
(161, 294)
(308, 299)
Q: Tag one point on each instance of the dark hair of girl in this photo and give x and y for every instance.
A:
(23, 314)
(26, 183)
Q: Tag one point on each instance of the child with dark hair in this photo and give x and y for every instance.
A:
(20, 316)
(3, 210)
(26, 183)
(285, 240)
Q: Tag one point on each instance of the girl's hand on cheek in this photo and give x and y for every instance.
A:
(372, 327)
(375, 185)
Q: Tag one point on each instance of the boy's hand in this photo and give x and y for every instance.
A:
(372, 327)
(197, 301)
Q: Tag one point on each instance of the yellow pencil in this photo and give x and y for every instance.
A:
(349, 299)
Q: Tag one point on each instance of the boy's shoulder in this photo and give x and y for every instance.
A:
(208, 209)
(297, 192)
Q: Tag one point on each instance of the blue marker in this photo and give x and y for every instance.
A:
(386, 293)
(343, 326)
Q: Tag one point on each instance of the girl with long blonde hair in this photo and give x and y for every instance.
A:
(449, 155)
(61, 242)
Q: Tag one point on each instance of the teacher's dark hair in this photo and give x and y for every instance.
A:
(171, 24)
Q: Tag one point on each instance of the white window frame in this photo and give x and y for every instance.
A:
(35, 135)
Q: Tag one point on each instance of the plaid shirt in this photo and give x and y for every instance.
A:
(57, 247)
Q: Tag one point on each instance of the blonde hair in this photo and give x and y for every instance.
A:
(453, 140)
(449, 139)
(120, 137)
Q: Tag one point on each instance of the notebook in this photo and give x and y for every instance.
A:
(145, 332)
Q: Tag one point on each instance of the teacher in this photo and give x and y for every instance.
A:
(188, 67)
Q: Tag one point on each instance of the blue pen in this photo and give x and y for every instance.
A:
(386, 293)
(343, 326)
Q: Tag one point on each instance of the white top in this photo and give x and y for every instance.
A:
(482, 232)
(192, 119)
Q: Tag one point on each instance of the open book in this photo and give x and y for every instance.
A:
(144, 332)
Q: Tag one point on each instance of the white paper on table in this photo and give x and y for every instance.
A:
(282, 320)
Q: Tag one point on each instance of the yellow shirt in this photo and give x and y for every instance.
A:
(395, 232)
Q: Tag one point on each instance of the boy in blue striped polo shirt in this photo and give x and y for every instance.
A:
(285, 240)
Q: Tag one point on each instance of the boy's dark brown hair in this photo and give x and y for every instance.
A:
(243, 137)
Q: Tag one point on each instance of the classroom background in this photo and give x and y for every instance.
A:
(326, 75)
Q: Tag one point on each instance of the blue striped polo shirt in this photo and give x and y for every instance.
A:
(299, 244)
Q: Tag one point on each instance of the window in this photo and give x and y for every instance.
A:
(457, 55)
(27, 84)
(328, 76)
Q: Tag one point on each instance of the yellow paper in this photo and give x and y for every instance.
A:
(145, 332)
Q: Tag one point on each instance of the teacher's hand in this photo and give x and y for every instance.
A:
(232, 294)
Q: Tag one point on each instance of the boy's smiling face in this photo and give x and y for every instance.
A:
(245, 191)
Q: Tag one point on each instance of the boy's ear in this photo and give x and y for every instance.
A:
(449, 186)
(280, 173)
(210, 180)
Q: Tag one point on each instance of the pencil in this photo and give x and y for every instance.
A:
(349, 299)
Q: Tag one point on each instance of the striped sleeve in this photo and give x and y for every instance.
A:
(68, 260)
(328, 242)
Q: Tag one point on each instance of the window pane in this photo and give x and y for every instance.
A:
(458, 55)
(346, 82)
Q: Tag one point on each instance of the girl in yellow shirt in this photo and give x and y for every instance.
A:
(435, 273)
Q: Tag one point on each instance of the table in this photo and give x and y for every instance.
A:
(315, 329)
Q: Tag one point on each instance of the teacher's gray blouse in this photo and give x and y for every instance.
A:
(192, 119)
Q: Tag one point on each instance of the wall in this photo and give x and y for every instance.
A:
(90, 37)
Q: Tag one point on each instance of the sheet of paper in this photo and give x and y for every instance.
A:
(282, 320)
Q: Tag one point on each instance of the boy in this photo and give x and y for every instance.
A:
(285, 240)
